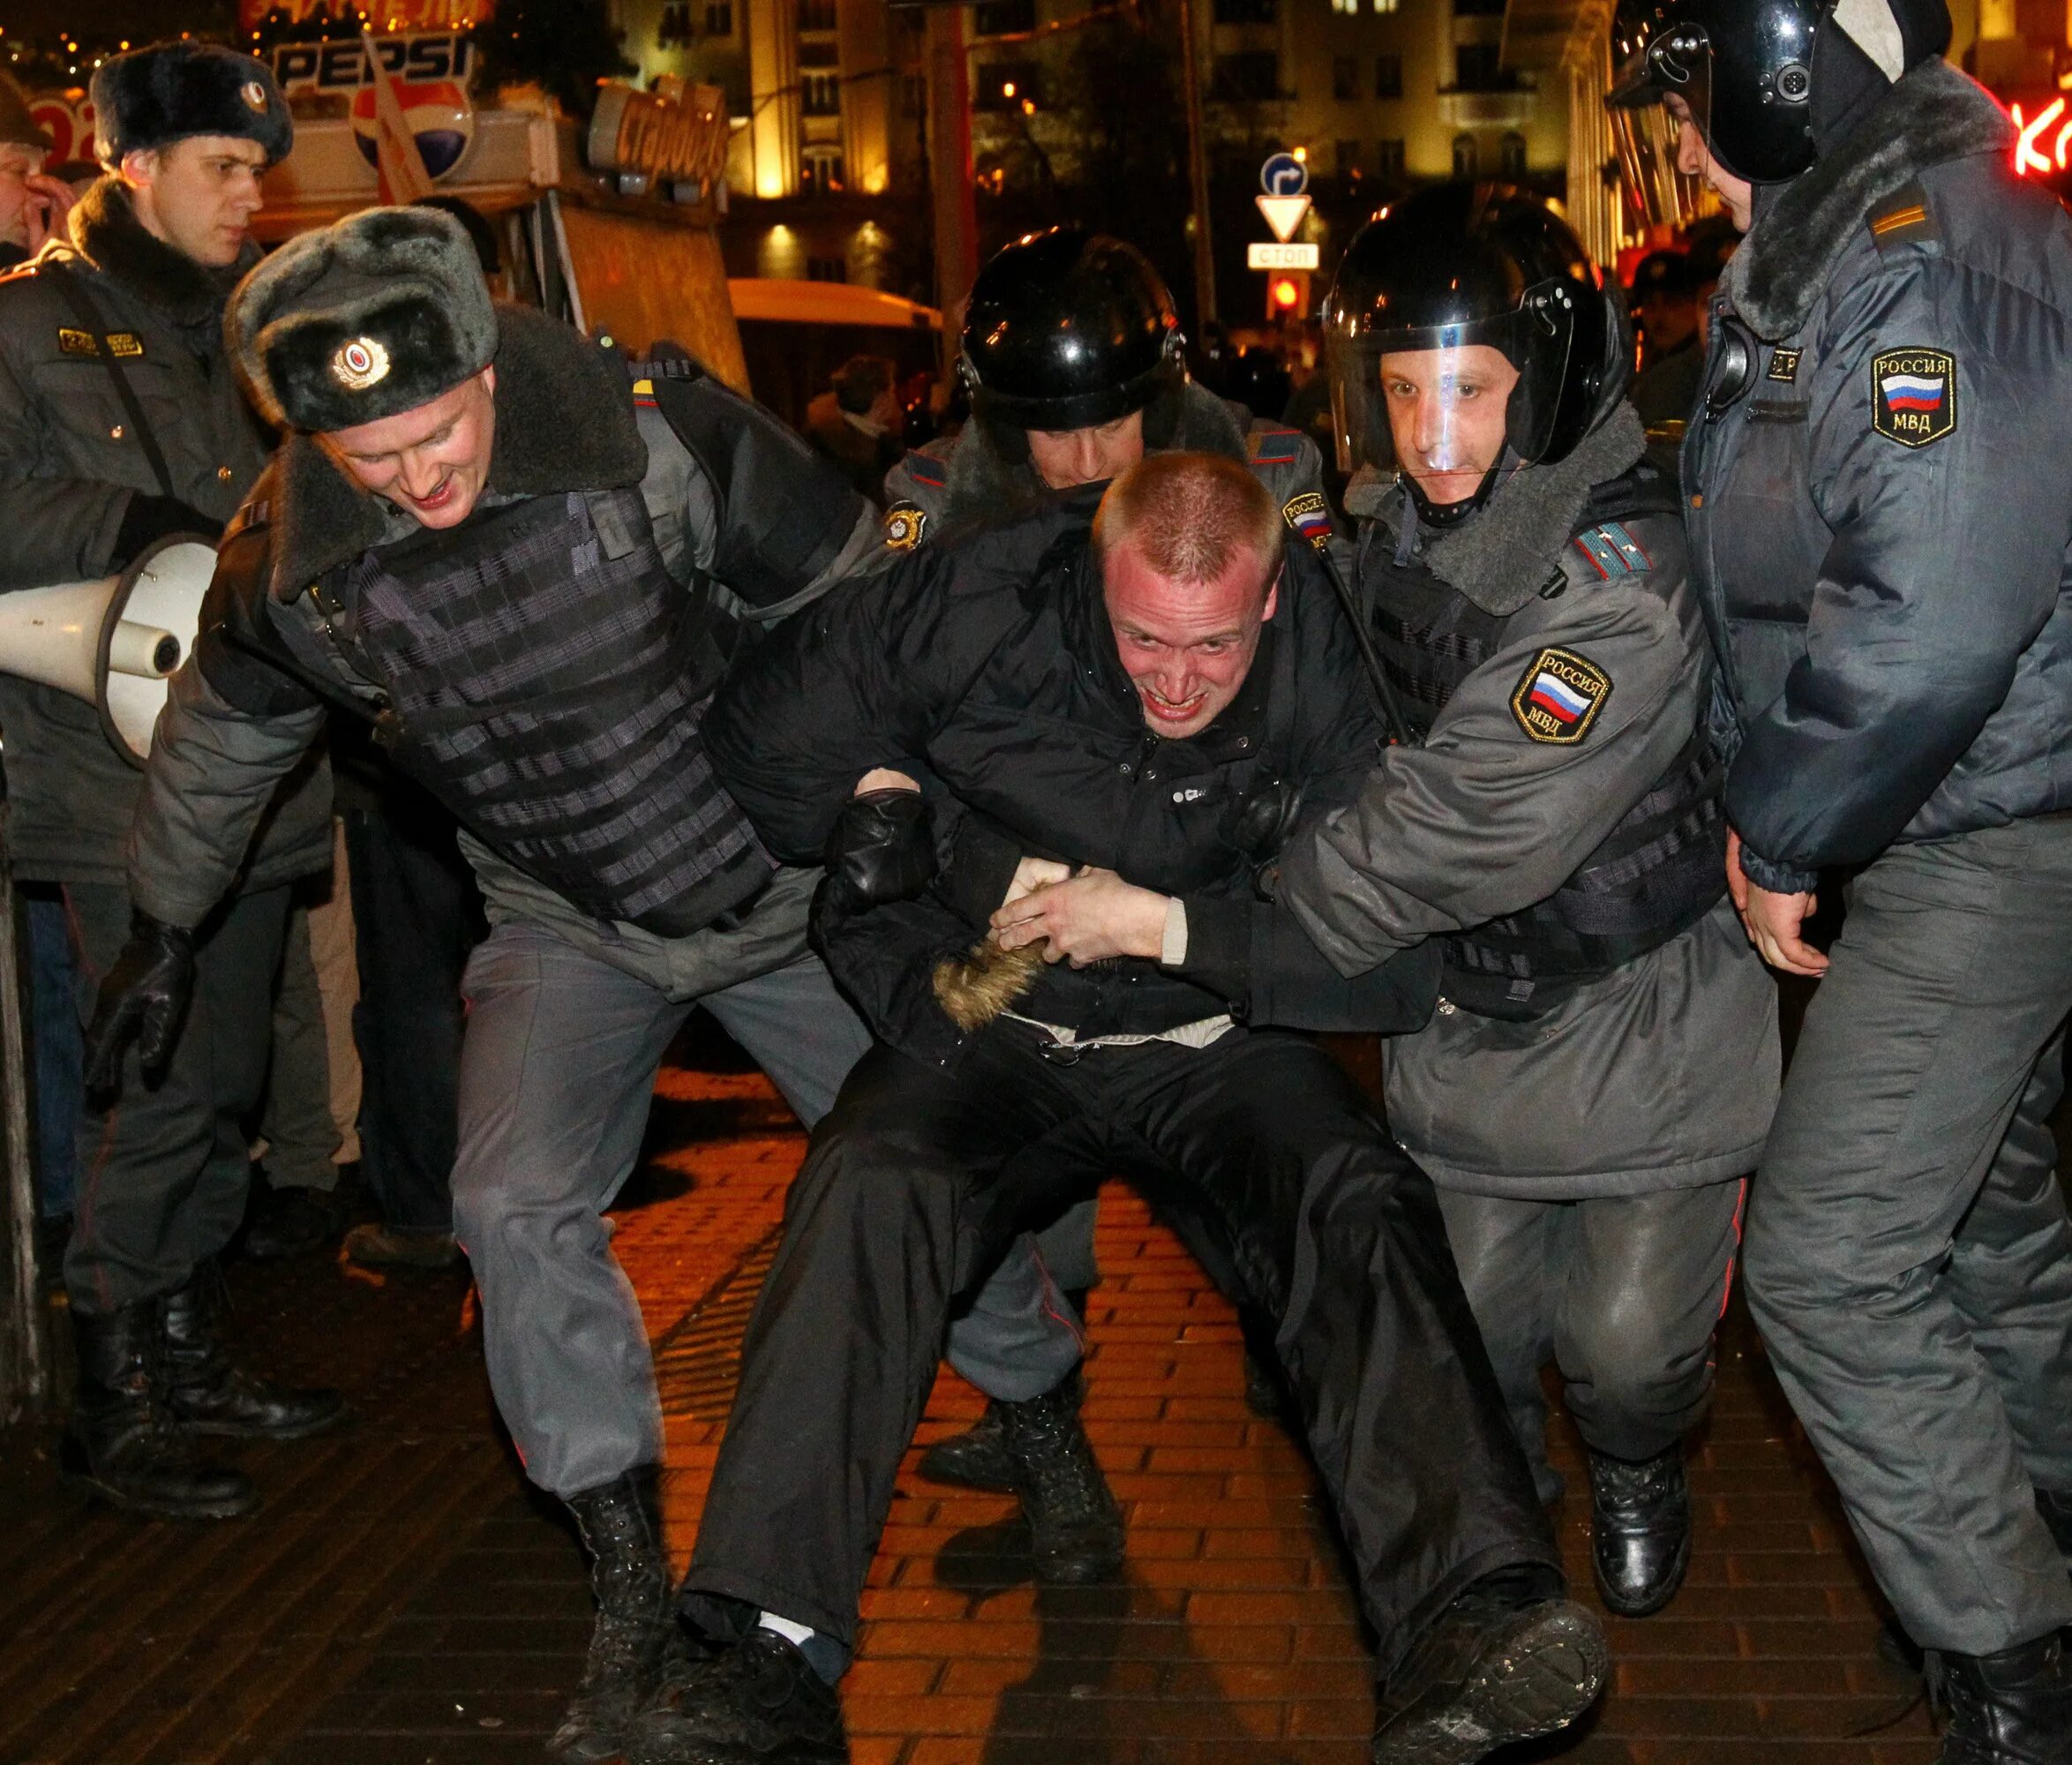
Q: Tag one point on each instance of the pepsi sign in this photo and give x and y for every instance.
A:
(430, 77)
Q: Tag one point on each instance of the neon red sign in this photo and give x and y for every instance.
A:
(2036, 149)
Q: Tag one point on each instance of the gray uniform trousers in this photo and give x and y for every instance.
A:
(568, 1023)
(1909, 1258)
(164, 1171)
(1622, 1293)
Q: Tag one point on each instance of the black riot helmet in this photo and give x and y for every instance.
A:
(1459, 265)
(1743, 67)
(1067, 329)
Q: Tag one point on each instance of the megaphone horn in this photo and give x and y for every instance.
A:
(113, 642)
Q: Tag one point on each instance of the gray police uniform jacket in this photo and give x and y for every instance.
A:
(1662, 1074)
(271, 661)
(69, 462)
(949, 485)
(1879, 498)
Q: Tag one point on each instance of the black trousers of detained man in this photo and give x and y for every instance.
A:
(1257, 1147)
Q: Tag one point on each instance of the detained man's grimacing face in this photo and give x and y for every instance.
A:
(1065, 457)
(432, 462)
(1446, 412)
(1186, 646)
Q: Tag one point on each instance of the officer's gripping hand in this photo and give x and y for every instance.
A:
(145, 996)
(883, 847)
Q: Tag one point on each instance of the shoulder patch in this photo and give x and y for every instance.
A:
(904, 523)
(1613, 552)
(1311, 516)
(1559, 695)
(1903, 218)
(125, 346)
(925, 468)
(1914, 395)
(1273, 446)
(73, 342)
(1784, 365)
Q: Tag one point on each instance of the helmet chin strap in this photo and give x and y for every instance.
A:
(1445, 515)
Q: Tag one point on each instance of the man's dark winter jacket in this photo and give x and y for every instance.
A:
(1881, 521)
(70, 463)
(989, 668)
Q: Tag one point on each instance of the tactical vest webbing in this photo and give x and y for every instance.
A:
(547, 679)
(1656, 874)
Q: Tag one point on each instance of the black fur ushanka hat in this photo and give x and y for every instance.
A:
(378, 313)
(167, 92)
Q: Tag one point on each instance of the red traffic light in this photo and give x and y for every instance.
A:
(1287, 294)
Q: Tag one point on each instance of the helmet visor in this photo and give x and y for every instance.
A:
(1439, 404)
(1658, 193)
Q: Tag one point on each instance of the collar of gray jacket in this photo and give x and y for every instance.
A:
(1502, 556)
(105, 232)
(565, 421)
(982, 482)
(1930, 116)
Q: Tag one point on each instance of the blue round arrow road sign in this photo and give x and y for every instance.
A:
(1284, 175)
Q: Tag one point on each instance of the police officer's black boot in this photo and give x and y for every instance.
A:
(1639, 1530)
(622, 1527)
(1509, 1660)
(1074, 1527)
(977, 1457)
(122, 1443)
(2014, 1708)
(210, 1396)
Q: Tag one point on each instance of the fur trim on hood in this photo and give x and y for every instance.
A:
(565, 421)
(1498, 556)
(1933, 116)
(981, 482)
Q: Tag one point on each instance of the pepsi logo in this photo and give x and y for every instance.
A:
(435, 111)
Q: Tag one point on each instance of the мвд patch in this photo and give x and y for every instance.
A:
(1914, 395)
(1559, 696)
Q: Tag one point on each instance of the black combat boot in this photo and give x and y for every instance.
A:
(122, 1443)
(2014, 1708)
(759, 1702)
(975, 1458)
(1505, 1662)
(1074, 1527)
(1639, 1530)
(622, 1527)
(208, 1395)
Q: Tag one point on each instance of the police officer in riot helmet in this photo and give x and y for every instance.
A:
(1074, 362)
(1881, 539)
(1598, 1078)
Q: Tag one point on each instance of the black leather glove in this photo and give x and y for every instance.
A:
(144, 995)
(149, 519)
(883, 849)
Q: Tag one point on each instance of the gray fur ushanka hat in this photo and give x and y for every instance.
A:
(164, 92)
(378, 313)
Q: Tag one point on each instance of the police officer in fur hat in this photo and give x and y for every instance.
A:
(526, 564)
(122, 423)
(1883, 532)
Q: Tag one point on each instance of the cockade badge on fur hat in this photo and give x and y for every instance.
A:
(167, 91)
(379, 313)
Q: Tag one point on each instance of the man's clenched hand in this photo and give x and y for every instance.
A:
(144, 995)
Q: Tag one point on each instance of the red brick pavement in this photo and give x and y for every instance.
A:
(1233, 1637)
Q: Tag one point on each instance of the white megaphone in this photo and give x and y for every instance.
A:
(113, 642)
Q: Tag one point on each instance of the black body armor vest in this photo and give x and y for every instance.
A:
(1656, 874)
(546, 679)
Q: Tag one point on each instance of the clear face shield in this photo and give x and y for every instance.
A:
(1440, 404)
(1646, 132)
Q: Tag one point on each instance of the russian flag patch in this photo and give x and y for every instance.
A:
(1559, 695)
(1311, 516)
(1914, 395)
